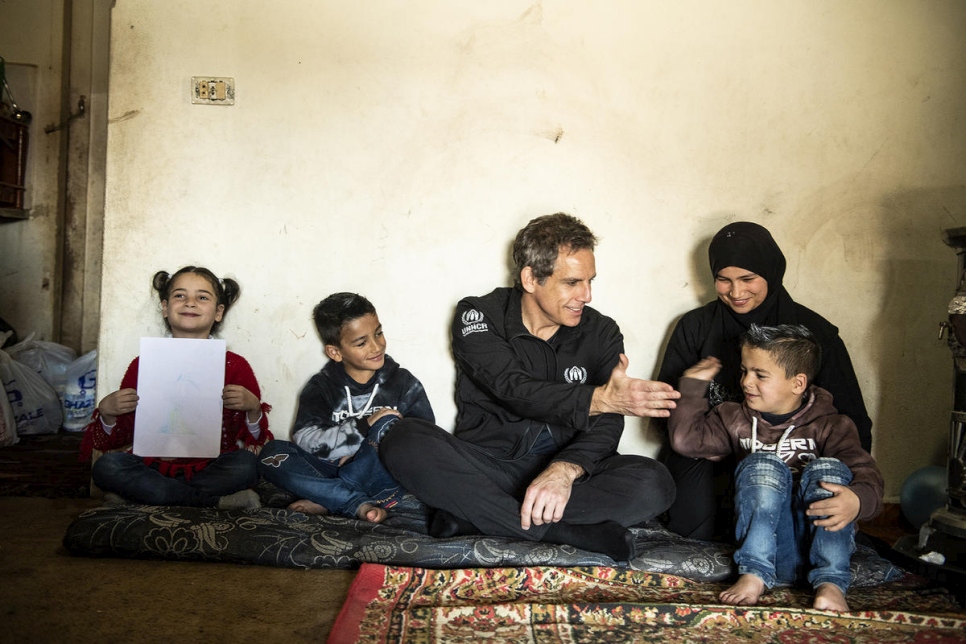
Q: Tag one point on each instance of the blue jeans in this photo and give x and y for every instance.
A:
(127, 475)
(339, 489)
(773, 532)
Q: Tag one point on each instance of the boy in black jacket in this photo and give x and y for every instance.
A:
(343, 413)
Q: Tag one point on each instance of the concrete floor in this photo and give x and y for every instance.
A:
(47, 595)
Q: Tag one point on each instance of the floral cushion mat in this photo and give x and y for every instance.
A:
(275, 536)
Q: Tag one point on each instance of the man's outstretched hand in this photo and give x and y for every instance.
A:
(632, 396)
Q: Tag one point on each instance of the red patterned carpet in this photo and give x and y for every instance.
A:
(599, 604)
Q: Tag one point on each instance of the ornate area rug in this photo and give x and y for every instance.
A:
(600, 604)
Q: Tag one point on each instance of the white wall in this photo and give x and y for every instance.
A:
(394, 148)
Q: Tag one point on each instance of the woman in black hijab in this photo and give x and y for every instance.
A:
(748, 268)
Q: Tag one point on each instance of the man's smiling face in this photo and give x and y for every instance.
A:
(560, 300)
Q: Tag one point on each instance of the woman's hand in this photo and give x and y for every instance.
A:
(122, 401)
(237, 398)
(837, 511)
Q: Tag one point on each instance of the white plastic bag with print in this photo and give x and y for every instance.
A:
(49, 359)
(36, 406)
(8, 426)
(80, 392)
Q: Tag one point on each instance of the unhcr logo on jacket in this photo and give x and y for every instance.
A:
(473, 322)
(575, 375)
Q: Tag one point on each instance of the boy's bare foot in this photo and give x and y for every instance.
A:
(308, 507)
(830, 597)
(745, 592)
(371, 513)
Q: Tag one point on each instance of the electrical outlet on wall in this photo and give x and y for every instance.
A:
(212, 90)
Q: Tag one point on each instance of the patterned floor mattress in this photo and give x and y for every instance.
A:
(276, 536)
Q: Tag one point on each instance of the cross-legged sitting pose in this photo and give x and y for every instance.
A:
(541, 393)
(193, 303)
(344, 411)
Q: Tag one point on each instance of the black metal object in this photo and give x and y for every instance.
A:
(952, 518)
(939, 551)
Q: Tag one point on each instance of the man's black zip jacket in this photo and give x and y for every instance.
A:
(511, 385)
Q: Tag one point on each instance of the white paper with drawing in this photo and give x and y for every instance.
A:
(179, 398)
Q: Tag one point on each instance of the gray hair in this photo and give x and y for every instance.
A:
(538, 244)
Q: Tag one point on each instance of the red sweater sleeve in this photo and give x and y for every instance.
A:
(235, 433)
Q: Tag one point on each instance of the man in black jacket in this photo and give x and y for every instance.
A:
(541, 392)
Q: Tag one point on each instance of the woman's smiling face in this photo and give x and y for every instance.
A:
(742, 290)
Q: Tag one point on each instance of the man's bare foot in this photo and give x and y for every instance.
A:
(745, 592)
(830, 597)
(308, 507)
(371, 513)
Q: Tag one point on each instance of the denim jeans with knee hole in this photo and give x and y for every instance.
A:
(339, 489)
(775, 536)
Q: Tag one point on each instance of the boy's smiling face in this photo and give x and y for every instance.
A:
(362, 348)
(766, 387)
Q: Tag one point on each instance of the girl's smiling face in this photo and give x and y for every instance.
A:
(192, 307)
(742, 290)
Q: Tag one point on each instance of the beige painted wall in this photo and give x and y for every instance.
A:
(394, 148)
(31, 41)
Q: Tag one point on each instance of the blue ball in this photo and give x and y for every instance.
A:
(923, 492)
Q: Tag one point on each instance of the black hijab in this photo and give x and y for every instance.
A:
(749, 246)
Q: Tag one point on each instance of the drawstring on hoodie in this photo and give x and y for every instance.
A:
(754, 436)
(348, 399)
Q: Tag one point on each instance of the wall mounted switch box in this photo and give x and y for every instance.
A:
(212, 90)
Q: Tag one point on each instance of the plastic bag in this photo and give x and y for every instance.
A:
(36, 406)
(80, 392)
(8, 426)
(49, 359)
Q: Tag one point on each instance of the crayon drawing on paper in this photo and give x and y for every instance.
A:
(179, 410)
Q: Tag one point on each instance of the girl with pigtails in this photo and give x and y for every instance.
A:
(193, 303)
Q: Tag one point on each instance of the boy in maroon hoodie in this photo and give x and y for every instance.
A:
(803, 478)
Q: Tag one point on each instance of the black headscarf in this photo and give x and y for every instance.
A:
(751, 247)
(714, 330)
(748, 246)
